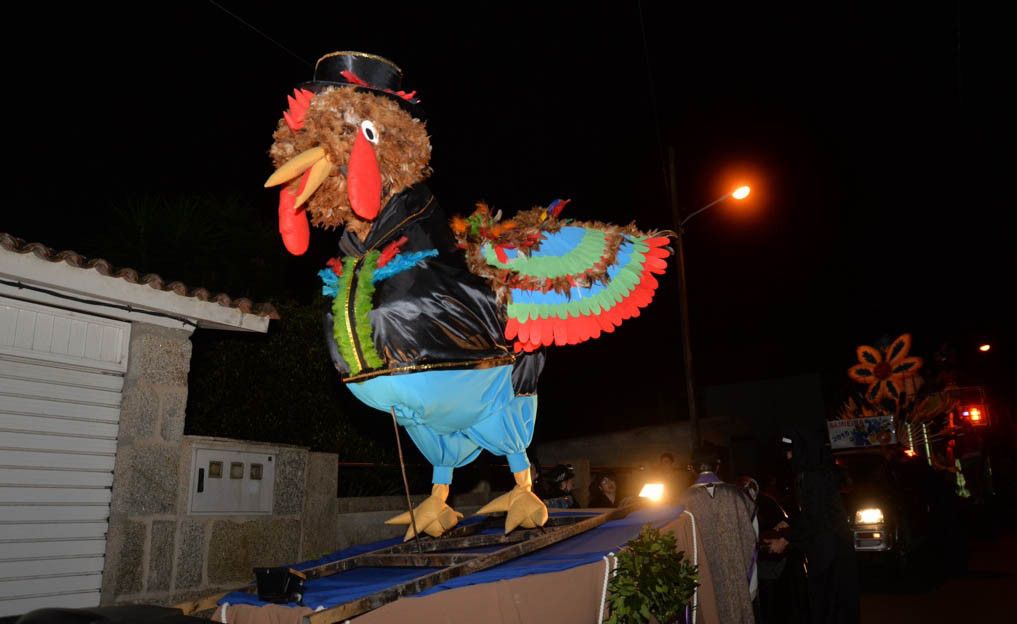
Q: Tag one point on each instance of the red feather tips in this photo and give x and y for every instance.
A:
(300, 101)
(336, 264)
(391, 251)
(557, 206)
(532, 334)
(409, 97)
(352, 78)
(293, 225)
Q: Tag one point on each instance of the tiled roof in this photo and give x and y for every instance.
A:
(17, 245)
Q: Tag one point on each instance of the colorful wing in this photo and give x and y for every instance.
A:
(566, 282)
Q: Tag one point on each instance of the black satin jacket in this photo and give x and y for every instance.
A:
(437, 315)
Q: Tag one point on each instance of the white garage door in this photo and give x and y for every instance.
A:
(61, 374)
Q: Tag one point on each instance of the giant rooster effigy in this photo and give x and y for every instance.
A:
(442, 323)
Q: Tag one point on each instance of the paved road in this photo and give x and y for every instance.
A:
(987, 593)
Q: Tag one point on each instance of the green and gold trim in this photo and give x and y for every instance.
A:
(351, 309)
(501, 360)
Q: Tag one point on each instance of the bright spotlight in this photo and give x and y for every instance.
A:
(652, 491)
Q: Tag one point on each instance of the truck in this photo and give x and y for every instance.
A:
(903, 506)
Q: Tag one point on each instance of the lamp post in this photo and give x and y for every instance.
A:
(739, 193)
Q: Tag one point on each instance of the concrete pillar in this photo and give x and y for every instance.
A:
(146, 476)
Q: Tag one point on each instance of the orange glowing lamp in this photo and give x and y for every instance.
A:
(741, 192)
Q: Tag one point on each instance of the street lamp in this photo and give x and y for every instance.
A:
(739, 193)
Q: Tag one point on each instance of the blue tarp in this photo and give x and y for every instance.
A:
(576, 551)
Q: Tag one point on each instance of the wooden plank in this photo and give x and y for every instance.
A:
(414, 560)
(368, 603)
(206, 603)
(470, 541)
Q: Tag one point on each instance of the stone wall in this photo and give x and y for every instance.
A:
(155, 551)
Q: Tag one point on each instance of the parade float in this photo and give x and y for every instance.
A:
(441, 324)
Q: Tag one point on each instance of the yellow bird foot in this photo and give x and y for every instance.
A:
(432, 516)
(523, 507)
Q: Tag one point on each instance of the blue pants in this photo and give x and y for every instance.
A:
(452, 414)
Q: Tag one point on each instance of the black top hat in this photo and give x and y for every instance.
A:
(363, 71)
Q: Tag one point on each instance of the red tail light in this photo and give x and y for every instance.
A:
(976, 415)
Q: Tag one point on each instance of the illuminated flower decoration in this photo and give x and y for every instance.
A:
(884, 372)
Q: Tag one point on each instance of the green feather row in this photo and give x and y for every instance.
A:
(614, 292)
(362, 306)
(584, 256)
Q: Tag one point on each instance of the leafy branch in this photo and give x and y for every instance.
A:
(652, 580)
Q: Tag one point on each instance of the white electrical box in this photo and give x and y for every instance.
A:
(225, 481)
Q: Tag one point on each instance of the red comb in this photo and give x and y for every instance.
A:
(300, 101)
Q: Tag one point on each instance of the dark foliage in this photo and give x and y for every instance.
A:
(277, 388)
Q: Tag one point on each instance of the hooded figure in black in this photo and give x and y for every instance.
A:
(820, 528)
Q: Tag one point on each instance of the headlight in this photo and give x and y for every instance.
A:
(872, 515)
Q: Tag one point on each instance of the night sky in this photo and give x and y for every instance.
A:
(872, 136)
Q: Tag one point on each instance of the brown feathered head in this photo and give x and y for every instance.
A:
(348, 144)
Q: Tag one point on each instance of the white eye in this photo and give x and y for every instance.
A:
(370, 133)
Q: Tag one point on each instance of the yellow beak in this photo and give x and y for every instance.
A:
(295, 166)
(314, 159)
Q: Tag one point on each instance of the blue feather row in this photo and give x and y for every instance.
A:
(402, 262)
(398, 264)
(330, 282)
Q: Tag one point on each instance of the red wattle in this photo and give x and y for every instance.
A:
(296, 232)
(363, 180)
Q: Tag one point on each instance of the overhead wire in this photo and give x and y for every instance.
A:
(260, 32)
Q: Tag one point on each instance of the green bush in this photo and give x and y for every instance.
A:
(652, 580)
